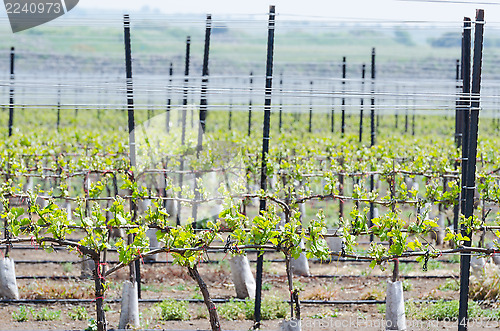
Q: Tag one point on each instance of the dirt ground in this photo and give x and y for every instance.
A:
(161, 281)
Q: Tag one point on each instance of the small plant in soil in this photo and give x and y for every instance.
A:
(45, 315)
(179, 287)
(21, 315)
(92, 325)
(67, 267)
(407, 285)
(173, 310)
(232, 311)
(151, 288)
(78, 313)
(196, 294)
(272, 308)
(441, 310)
(298, 285)
(450, 285)
(267, 286)
(325, 314)
(373, 294)
(381, 308)
(406, 268)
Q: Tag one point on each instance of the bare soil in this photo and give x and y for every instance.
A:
(161, 281)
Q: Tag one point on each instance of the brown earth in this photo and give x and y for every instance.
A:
(161, 281)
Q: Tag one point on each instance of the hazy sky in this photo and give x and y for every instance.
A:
(394, 10)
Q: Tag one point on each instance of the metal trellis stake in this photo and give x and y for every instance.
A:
(311, 108)
(11, 101)
(344, 67)
(469, 185)
(362, 102)
(265, 150)
(183, 123)
(372, 133)
(203, 110)
(250, 105)
(134, 271)
(169, 99)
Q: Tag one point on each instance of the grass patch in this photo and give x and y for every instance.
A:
(450, 285)
(92, 325)
(434, 265)
(405, 268)
(67, 267)
(45, 315)
(24, 314)
(407, 285)
(173, 310)
(454, 258)
(179, 287)
(21, 315)
(441, 310)
(155, 288)
(232, 311)
(78, 313)
(197, 293)
(325, 314)
(272, 308)
(267, 286)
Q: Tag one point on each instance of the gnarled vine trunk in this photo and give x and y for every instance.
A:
(212, 309)
(99, 296)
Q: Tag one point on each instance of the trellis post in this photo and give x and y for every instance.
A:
(265, 150)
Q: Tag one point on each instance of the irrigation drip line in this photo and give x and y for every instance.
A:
(50, 277)
(387, 277)
(311, 276)
(215, 300)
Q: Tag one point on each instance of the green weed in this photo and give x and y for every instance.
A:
(441, 310)
(21, 315)
(78, 313)
(450, 285)
(271, 308)
(173, 310)
(45, 315)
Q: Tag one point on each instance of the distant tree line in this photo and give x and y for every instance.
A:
(454, 39)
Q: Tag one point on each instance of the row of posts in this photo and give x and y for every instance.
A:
(467, 116)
